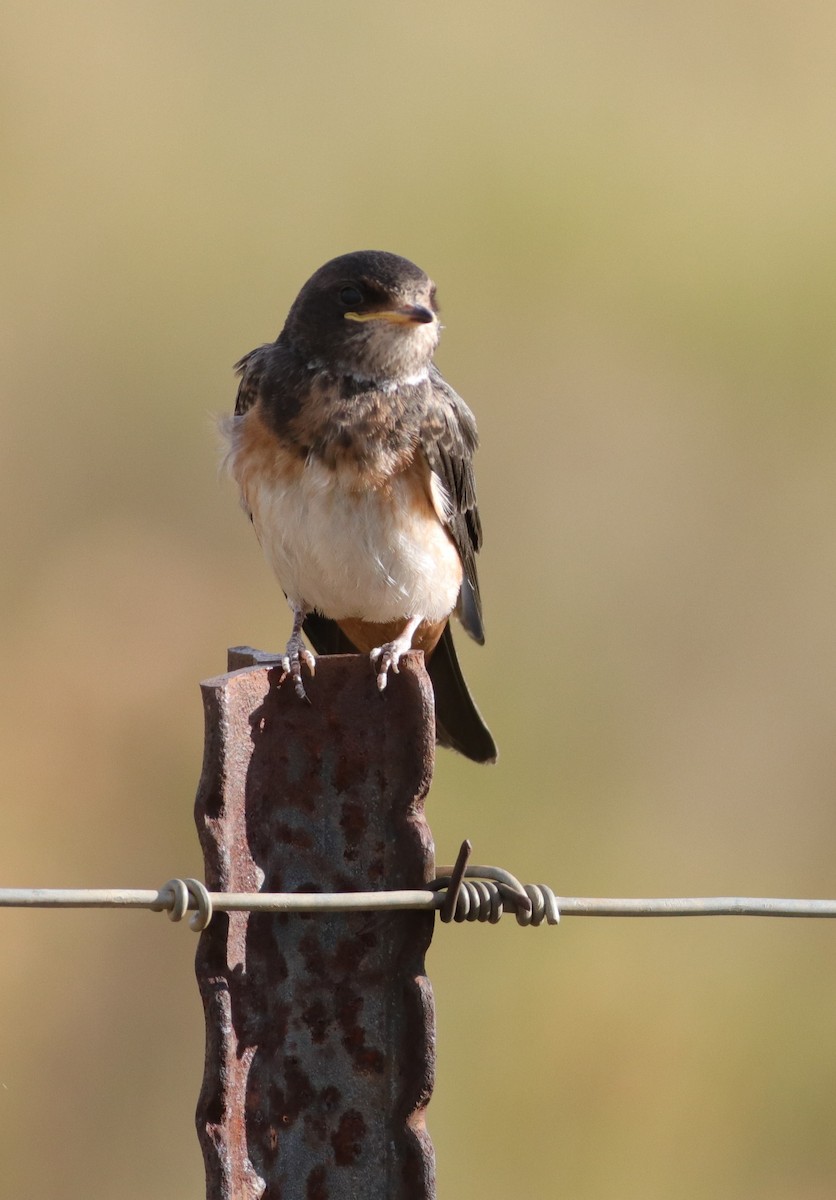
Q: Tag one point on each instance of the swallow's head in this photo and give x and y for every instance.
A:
(369, 314)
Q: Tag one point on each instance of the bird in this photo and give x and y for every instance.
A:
(354, 460)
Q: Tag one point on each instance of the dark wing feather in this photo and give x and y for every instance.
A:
(251, 370)
(449, 440)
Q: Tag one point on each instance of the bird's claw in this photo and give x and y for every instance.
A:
(385, 659)
(296, 653)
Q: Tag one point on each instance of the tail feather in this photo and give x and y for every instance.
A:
(326, 637)
(459, 723)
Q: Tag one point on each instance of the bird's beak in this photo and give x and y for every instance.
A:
(409, 314)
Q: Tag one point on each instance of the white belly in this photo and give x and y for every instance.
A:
(377, 555)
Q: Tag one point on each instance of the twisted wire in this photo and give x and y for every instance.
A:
(482, 894)
(486, 899)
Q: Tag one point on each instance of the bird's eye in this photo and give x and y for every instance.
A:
(351, 296)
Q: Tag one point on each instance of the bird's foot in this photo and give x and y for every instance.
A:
(296, 653)
(386, 658)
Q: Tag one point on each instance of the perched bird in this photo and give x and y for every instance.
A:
(354, 459)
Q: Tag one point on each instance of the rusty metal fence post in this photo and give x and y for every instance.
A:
(319, 1028)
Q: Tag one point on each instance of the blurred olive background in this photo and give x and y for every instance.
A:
(629, 210)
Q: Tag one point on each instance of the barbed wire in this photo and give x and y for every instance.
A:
(461, 893)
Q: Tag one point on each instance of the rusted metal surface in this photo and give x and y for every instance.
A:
(319, 1028)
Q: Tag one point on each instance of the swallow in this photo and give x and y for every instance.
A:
(354, 461)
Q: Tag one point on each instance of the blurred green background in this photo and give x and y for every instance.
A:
(629, 210)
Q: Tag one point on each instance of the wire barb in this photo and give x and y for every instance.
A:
(544, 906)
(462, 893)
(483, 893)
(454, 887)
(173, 898)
